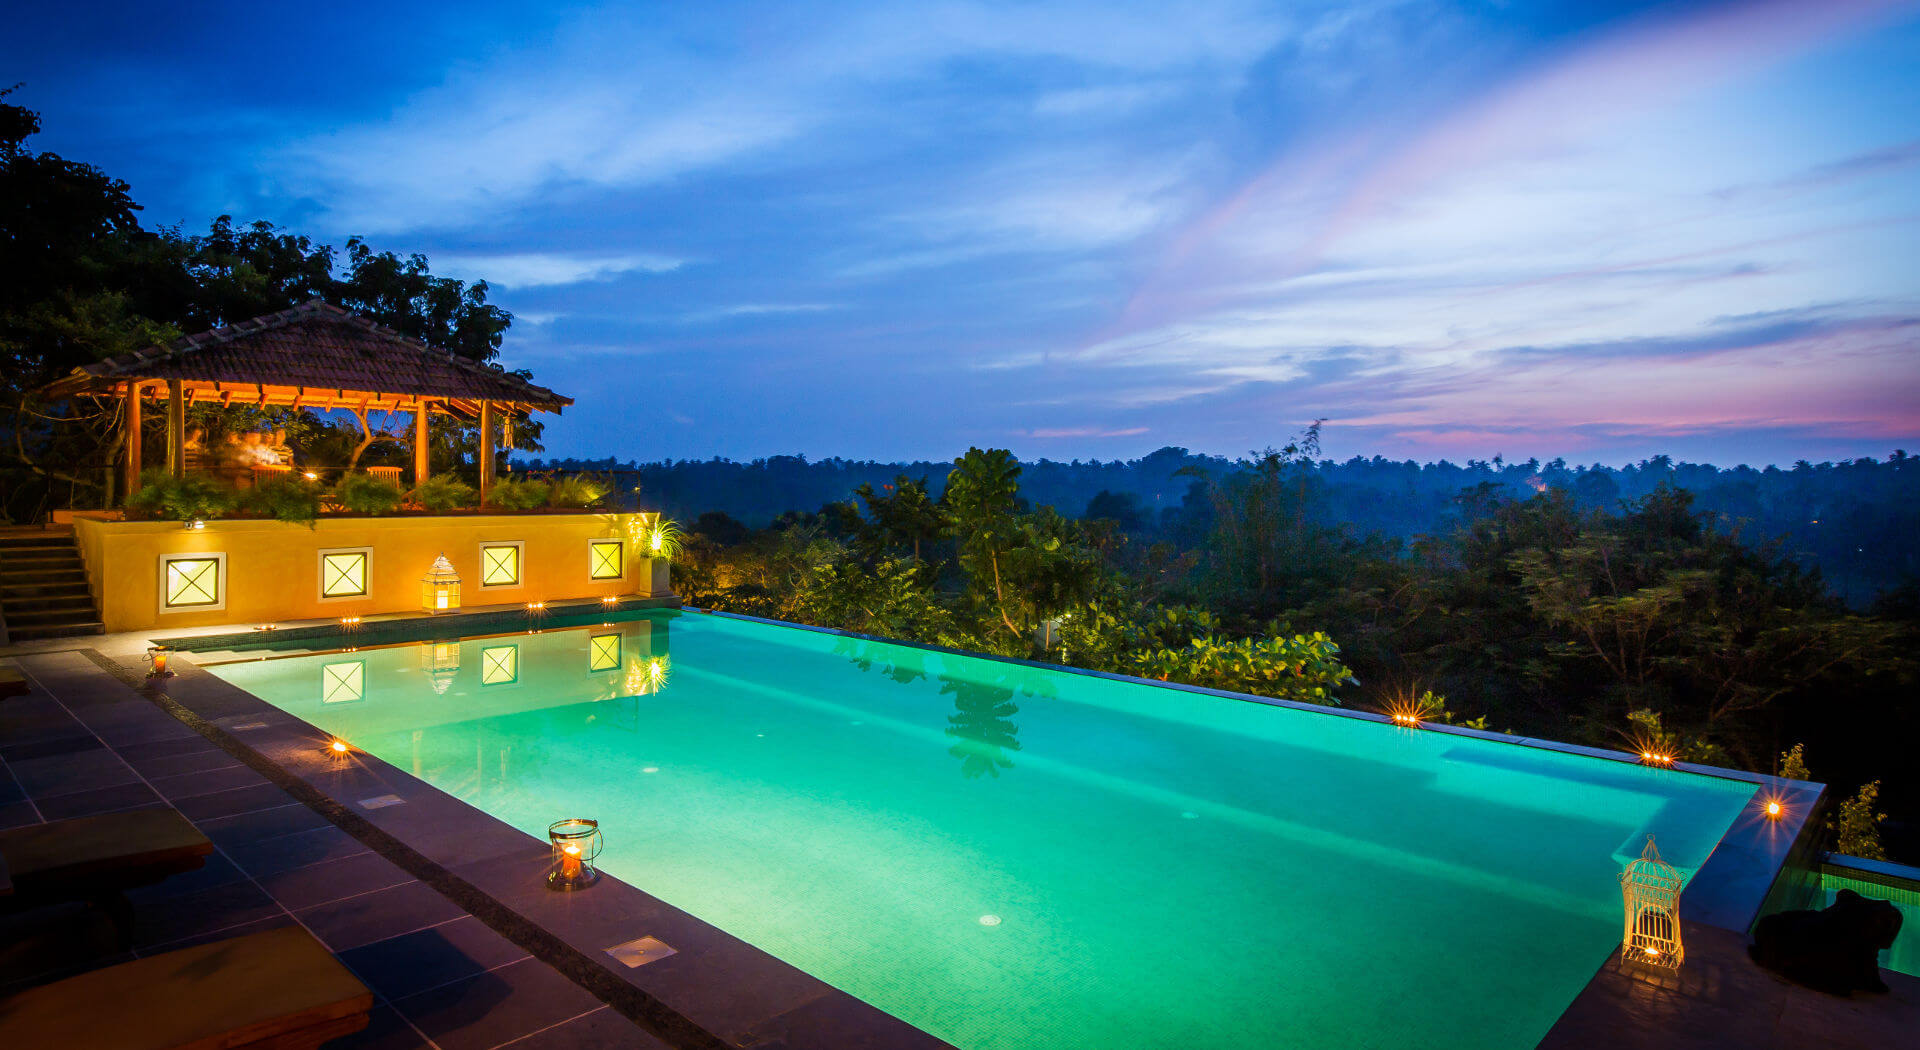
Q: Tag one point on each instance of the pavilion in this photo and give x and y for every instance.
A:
(315, 355)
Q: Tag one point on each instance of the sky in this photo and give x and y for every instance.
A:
(1597, 231)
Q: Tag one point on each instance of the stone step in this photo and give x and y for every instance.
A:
(27, 632)
(17, 607)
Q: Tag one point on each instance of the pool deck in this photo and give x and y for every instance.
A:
(443, 912)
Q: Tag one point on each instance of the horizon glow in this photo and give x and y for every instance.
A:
(1076, 230)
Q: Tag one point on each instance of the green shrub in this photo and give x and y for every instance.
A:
(520, 495)
(366, 494)
(577, 490)
(444, 492)
(1857, 826)
(286, 498)
(162, 495)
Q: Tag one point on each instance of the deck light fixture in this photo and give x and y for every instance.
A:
(193, 524)
(339, 748)
(1650, 890)
(1774, 809)
(576, 843)
(440, 587)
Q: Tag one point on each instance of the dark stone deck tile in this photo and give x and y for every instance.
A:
(414, 962)
(260, 859)
(18, 814)
(200, 912)
(497, 1006)
(271, 922)
(64, 744)
(603, 1028)
(143, 725)
(10, 789)
(376, 916)
(206, 782)
(46, 944)
(217, 871)
(187, 762)
(137, 754)
(66, 774)
(99, 800)
(318, 884)
(385, 1030)
(716, 980)
(232, 802)
(261, 825)
(35, 717)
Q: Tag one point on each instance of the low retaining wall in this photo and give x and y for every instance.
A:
(270, 571)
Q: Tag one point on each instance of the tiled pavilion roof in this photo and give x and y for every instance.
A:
(328, 354)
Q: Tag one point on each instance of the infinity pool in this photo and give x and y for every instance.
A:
(1012, 857)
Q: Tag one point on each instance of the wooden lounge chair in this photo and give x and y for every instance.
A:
(13, 681)
(277, 988)
(97, 859)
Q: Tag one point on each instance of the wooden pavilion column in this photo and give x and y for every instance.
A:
(486, 451)
(176, 430)
(420, 442)
(133, 449)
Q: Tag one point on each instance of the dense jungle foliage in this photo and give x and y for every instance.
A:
(1650, 624)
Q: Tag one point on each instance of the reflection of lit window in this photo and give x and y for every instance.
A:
(340, 683)
(603, 652)
(343, 574)
(499, 664)
(500, 565)
(606, 559)
(193, 582)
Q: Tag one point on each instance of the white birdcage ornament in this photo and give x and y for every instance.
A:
(1650, 888)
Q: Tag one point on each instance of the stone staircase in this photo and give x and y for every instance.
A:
(43, 585)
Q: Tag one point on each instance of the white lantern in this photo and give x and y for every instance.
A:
(1650, 888)
(440, 587)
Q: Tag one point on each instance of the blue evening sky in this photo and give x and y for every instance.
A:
(893, 230)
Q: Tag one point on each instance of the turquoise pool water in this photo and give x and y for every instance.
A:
(1014, 857)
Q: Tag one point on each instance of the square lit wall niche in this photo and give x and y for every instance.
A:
(500, 564)
(343, 683)
(603, 652)
(191, 582)
(499, 665)
(606, 559)
(344, 573)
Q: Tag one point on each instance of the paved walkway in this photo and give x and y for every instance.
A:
(84, 742)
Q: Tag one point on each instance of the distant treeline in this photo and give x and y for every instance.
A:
(1856, 521)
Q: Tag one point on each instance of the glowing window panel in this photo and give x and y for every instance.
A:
(500, 565)
(603, 652)
(343, 683)
(606, 559)
(192, 583)
(343, 574)
(499, 665)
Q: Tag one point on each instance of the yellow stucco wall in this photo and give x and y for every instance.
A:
(273, 568)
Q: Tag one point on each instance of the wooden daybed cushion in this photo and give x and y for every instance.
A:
(13, 681)
(278, 988)
(113, 851)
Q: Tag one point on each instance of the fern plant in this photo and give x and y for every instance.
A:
(577, 490)
(195, 496)
(520, 495)
(366, 494)
(443, 492)
(289, 499)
